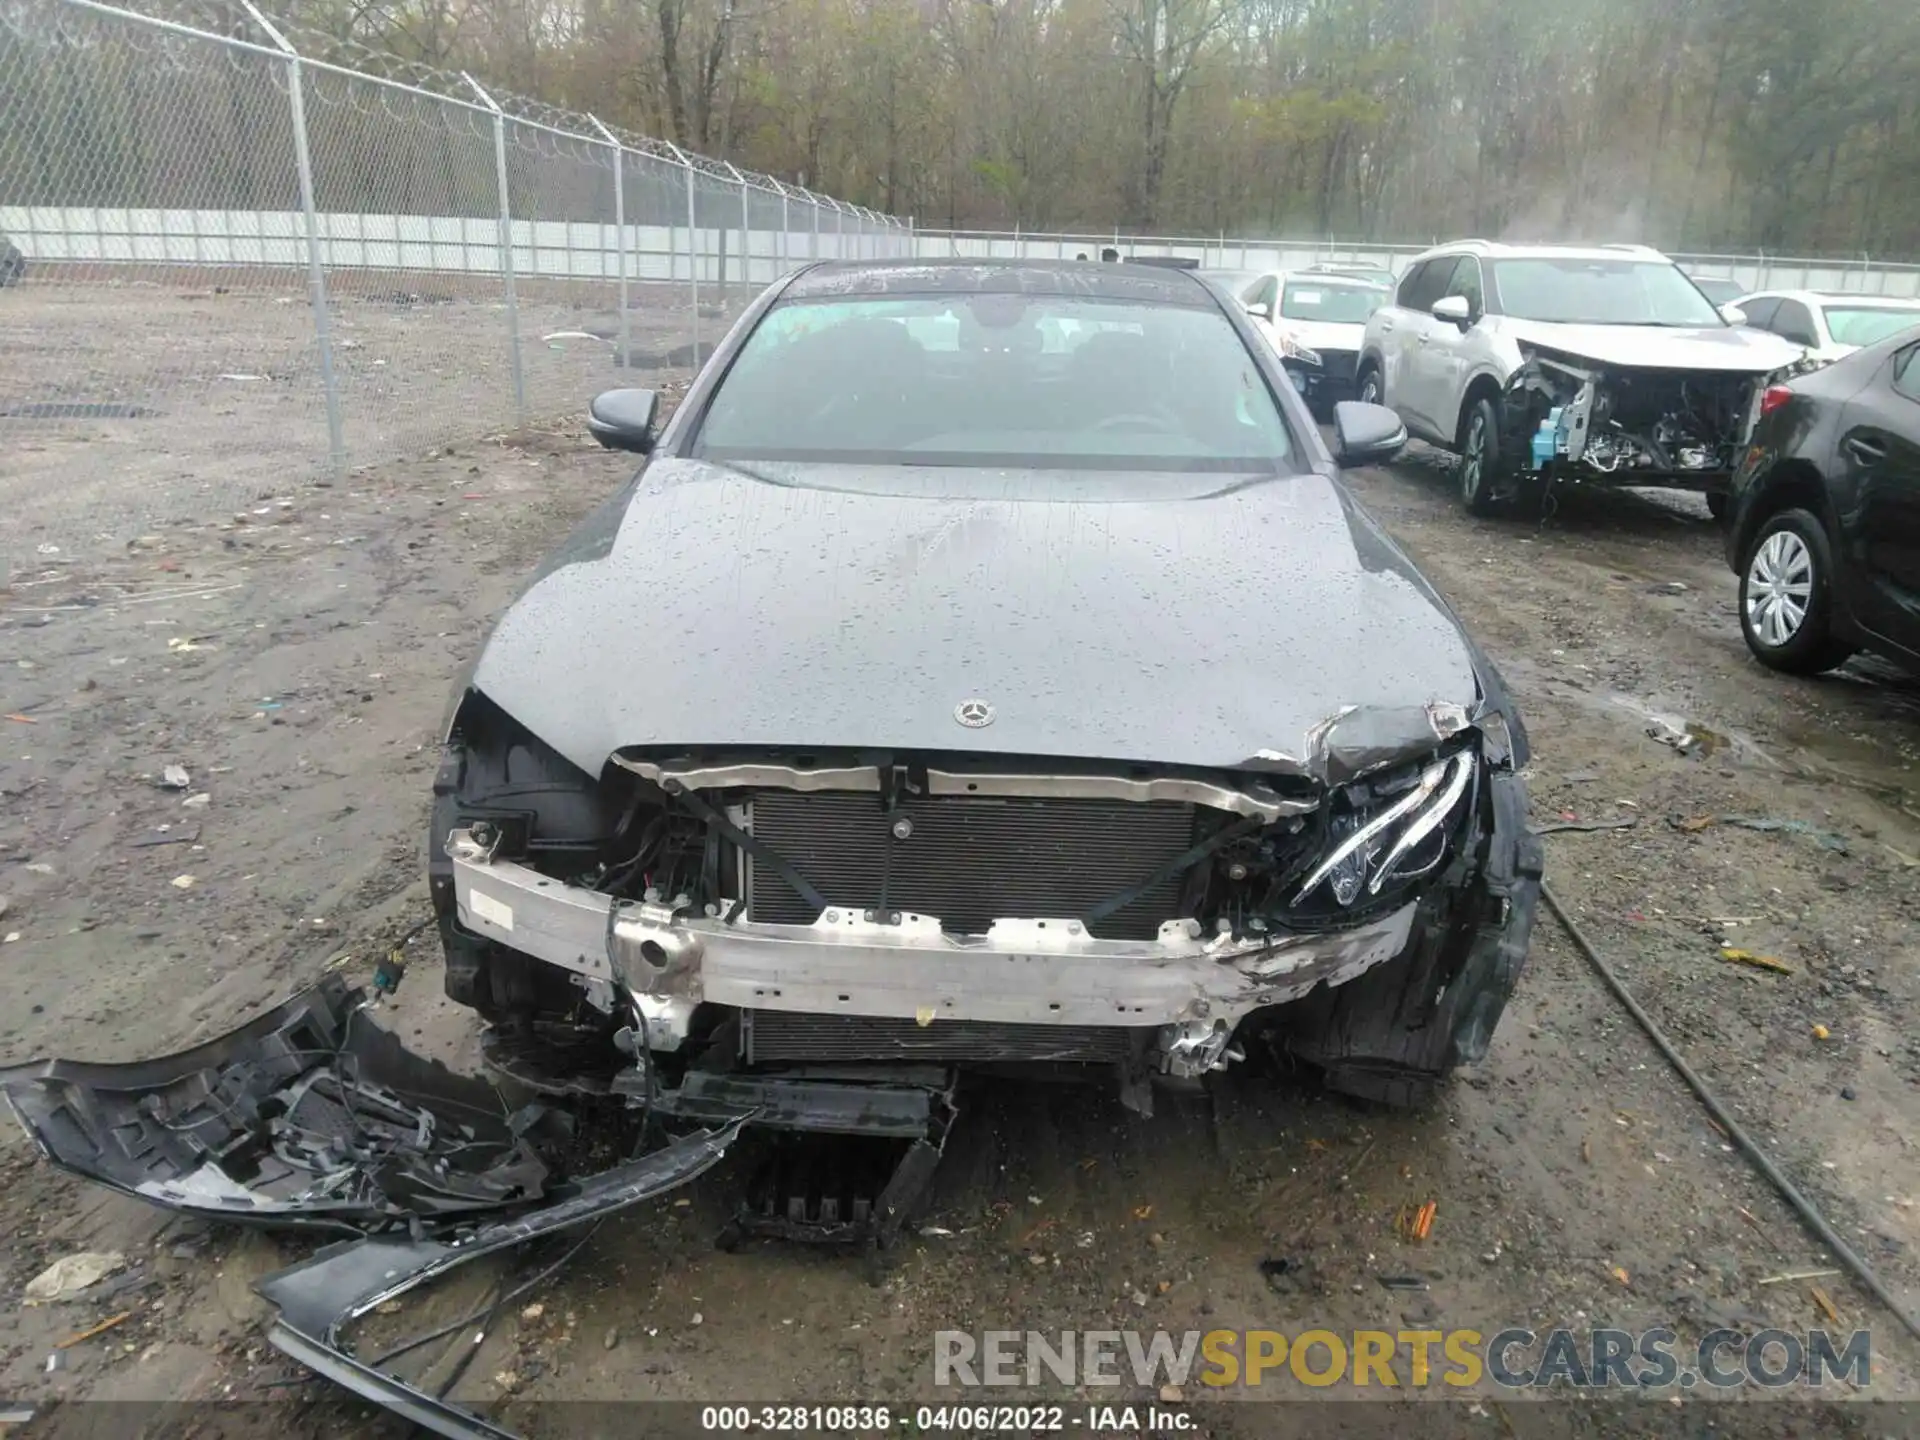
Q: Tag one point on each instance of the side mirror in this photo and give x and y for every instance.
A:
(624, 419)
(1455, 310)
(1262, 308)
(1364, 434)
(1733, 314)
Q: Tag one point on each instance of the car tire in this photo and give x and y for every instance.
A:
(1482, 463)
(1786, 596)
(1369, 389)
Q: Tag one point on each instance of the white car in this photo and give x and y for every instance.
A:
(1829, 323)
(1544, 364)
(1314, 319)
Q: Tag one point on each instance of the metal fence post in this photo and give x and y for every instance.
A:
(746, 227)
(814, 250)
(619, 232)
(693, 255)
(506, 244)
(316, 272)
(785, 224)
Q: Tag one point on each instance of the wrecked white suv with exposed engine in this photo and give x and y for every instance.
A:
(1555, 364)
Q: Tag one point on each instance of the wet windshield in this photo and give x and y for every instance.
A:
(1331, 304)
(1566, 290)
(1869, 324)
(999, 379)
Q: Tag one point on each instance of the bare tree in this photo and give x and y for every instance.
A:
(1164, 41)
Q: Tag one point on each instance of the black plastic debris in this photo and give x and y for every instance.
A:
(309, 1116)
(318, 1299)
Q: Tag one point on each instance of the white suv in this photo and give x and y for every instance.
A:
(1543, 364)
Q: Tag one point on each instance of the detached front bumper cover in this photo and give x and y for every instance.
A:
(309, 1116)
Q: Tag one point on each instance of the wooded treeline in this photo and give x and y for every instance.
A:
(1788, 125)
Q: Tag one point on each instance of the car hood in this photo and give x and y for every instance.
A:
(1208, 620)
(1725, 348)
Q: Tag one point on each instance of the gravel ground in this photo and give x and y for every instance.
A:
(295, 657)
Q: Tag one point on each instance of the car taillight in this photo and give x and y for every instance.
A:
(1773, 398)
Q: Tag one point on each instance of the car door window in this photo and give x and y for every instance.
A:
(1263, 292)
(1465, 282)
(1793, 321)
(1759, 311)
(1906, 373)
(1425, 283)
(1414, 283)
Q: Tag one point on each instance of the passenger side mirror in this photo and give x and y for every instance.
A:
(1364, 434)
(1733, 314)
(624, 420)
(1261, 308)
(1455, 310)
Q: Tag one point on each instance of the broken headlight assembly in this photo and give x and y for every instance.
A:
(1291, 348)
(1381, 835)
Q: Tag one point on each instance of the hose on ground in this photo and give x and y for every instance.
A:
(1807, 1210)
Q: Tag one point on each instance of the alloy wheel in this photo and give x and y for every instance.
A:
(1473, 459)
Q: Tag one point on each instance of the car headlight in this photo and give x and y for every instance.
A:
(1391, 834)
(1292, 349)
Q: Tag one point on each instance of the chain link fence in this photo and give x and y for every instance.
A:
(234, 256)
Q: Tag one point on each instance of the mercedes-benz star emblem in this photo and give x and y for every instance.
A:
(973, 713)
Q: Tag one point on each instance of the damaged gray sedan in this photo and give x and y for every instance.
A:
(986, 669)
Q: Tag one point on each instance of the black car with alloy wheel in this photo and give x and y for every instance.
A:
(1824, 524)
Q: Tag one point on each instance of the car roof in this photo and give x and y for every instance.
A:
(1152, 284)
(1347, 267)
(1858, 297)
(1330, 279)
(1500, 250)
(1335, 279)
(1820, 299)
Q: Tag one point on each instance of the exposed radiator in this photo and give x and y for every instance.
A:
(971, 860)
(781, 1035)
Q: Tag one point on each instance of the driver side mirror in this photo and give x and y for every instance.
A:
(1365, 434)
(1455, 310)
(1733, 314)
(624, 420)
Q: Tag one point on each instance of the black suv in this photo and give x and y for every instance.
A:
(1824, 525)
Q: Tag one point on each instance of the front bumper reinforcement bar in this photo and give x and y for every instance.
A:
(1040, 971)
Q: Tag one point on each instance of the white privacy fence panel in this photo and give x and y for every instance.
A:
(1862, 274)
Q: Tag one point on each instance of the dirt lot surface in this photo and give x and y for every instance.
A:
(296, 658)
(130, 402)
